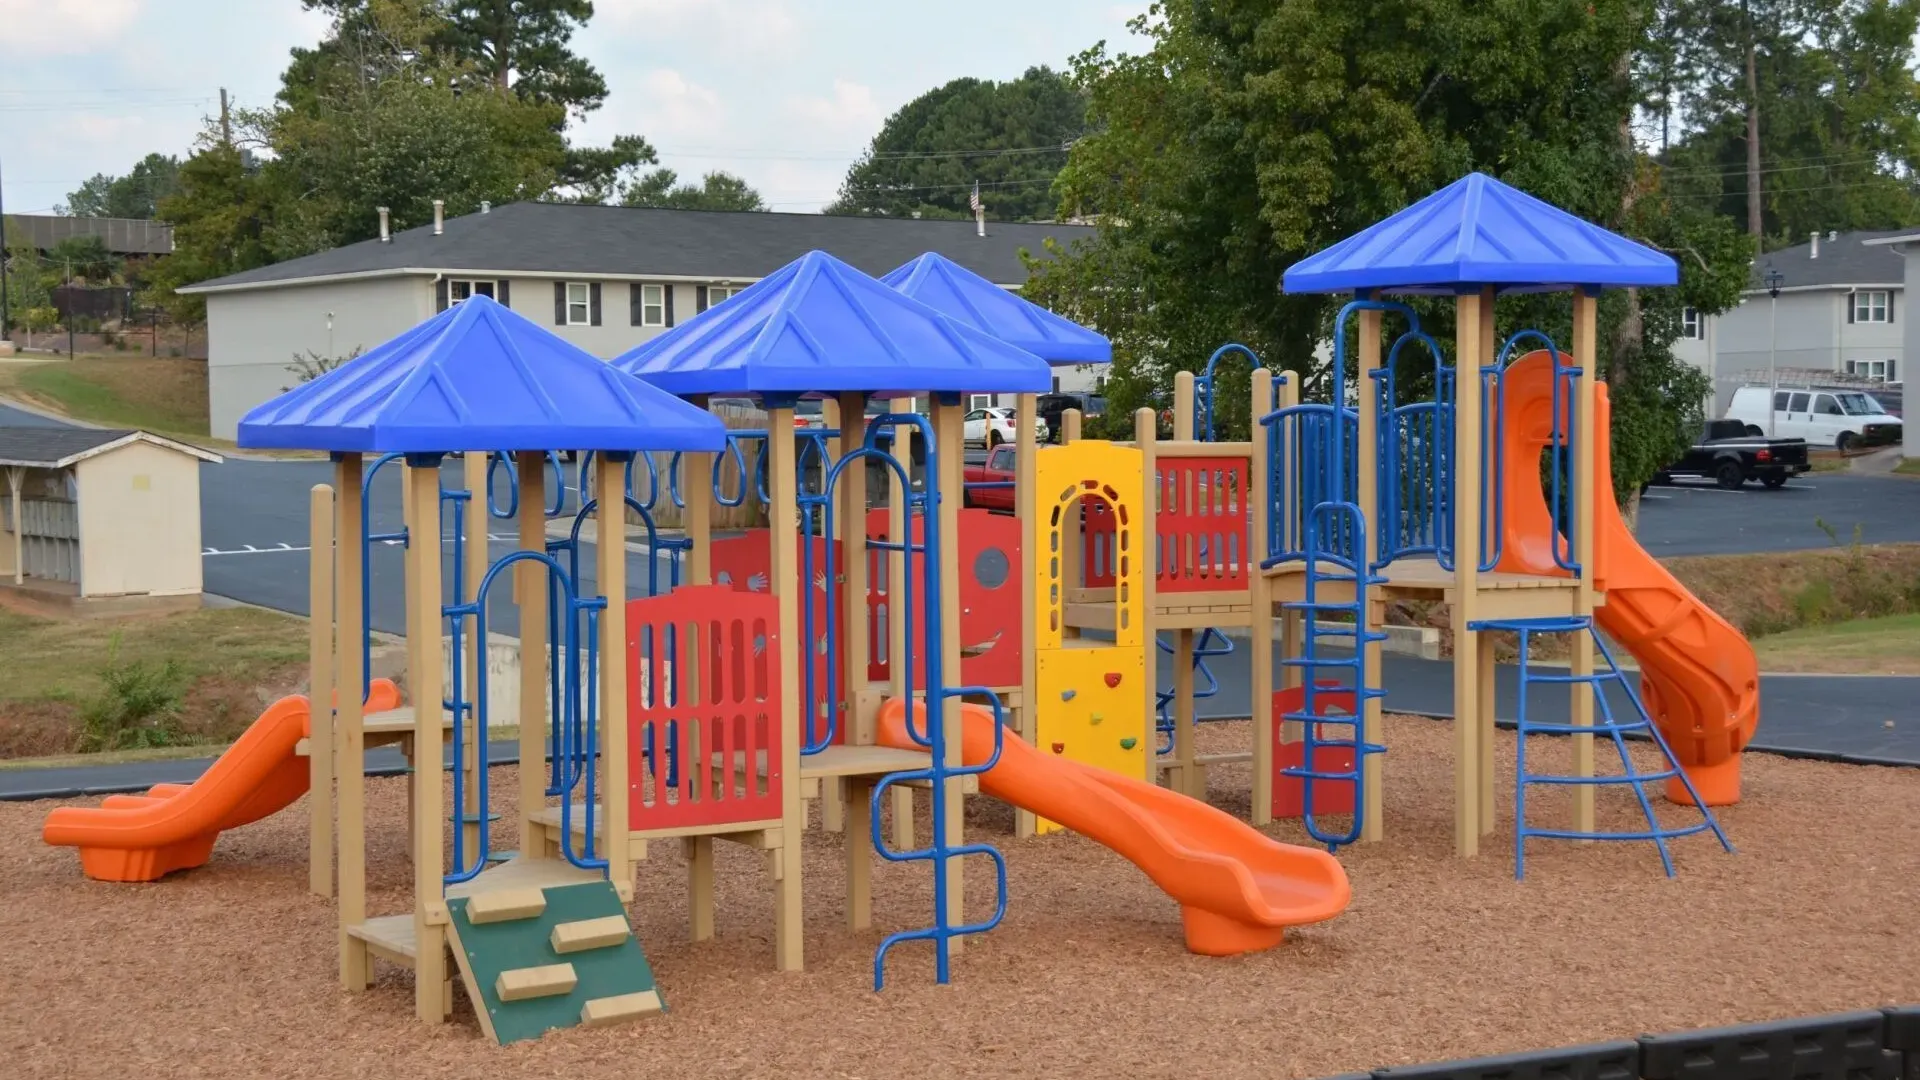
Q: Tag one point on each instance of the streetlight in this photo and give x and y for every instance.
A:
(1773, 279)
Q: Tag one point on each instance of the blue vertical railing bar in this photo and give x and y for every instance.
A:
(1349, 570)
(1400, 472)
(1615, 730)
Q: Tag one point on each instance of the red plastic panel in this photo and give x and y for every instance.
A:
(991, 577)
(745, 562)
(703, 708)
(1097, 540)
(1201, 530)
(1289, 792)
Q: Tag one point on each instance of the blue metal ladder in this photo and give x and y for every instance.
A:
(1343, 527)
(1606, 725)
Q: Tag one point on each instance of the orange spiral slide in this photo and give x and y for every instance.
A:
(173, 826)
(1238, 890)
(1699, 678)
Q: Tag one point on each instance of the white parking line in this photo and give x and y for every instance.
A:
(283, 548)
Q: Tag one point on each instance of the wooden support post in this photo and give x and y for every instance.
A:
(1187, 777)
(610, 550)
(1260, 601)
(947, 429)
(1488, 732)
(1484, 672)
(1071, 571)
(424, 659)
(696, 490)
(349, 734)
(1025, 448)
(899, 531)
(783, 518)
(473, 814)
(850, 517)
(1373, 724)
(530, 593)
(1293, 624)
(1466, 577)
(1587, 492)
(320, 697)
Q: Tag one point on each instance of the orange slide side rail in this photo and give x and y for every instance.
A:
(1238, 889)
(1699, 678)
(173, 826)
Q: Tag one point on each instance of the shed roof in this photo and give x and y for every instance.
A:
(1478, 231)
(819, 325)
(59, 447)
(957, 292)
(478, 377)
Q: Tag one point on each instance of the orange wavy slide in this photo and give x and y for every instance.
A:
(1238, 889)
(173, 826)
(1699, 678)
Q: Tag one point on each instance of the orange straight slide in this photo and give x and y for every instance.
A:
(1238, 890)
(1699, 678)
(173, 826)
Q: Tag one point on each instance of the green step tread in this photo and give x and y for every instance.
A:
(491, 948)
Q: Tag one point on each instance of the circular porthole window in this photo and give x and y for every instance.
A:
(991, 568)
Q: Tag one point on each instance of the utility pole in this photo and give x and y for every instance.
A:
(226, 119)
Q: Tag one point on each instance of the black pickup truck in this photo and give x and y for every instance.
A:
(1731, 453)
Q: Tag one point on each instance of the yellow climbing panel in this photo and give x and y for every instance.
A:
(1090, 701)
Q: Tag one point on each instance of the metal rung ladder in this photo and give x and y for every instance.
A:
(1607, 725)
(1342, 528)
(1212, 643)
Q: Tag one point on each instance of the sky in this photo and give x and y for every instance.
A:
(783, 92)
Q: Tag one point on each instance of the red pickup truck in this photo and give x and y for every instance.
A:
(997, 469)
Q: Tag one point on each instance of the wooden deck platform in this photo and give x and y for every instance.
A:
(1499, 594)
(383, 729)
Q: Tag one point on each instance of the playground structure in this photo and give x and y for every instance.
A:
(851, 653)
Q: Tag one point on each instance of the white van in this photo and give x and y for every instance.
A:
(1843, 419)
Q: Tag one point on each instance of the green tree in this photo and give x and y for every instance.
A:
(135, 195)
(221, 216)
(1835, 104)
(1253, 134)
(27, 282)
(85, 258)
(716, 191)
(523, 45)
(1008, 137)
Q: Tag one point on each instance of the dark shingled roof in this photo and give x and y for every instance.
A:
(52, 447)
(1844, 260)
(569, 238)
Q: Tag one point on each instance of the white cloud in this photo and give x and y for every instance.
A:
(850, 110)
(671, 104)
(67, 27)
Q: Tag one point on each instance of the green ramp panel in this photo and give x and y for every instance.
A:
(491, 948)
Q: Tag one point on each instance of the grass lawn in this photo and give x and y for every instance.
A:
(168, 397)
(232, 661)
(1909, 467)
(1884, 646)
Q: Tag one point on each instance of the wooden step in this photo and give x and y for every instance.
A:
(389, 937)
(548, 980)
(588, 934)
(614, 1010)
(505, 905)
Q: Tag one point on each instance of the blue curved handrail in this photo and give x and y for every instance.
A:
(498, 458)
(1203, 385)
(1396, 474)
(733, 450)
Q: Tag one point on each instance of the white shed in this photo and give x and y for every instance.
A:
(87, 514)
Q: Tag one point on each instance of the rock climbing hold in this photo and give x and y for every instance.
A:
(1113, 679)
(1059, 748)
(1067, 695)
(1097, 717)
(1128, 744)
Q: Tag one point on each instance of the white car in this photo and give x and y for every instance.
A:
(991, 427)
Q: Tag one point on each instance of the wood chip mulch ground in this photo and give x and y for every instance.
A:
(229, 971)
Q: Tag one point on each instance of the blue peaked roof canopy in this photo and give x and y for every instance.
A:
(819, 325)
(478, 377)
(955, 291)
(1478, 231)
